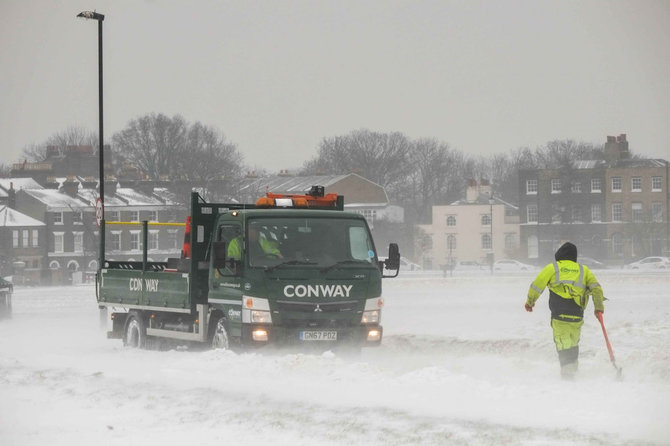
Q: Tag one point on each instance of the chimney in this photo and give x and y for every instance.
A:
(51, 183)
(110, 185)
(11, 196)
(145, 186)
(52, 152)
(70, 186)
(471, 192)
(89, 183)
(485, 189)
(616, 148)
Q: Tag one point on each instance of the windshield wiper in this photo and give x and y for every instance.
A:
(288, 263)
(343, 262)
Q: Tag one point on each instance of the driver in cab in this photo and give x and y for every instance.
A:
(259, 246)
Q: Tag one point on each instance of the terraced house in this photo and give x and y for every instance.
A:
(614, 209)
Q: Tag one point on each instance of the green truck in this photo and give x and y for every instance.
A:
(290, 269)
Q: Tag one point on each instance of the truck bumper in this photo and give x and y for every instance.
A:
(361, 336)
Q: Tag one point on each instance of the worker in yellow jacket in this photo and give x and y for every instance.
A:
(570, 285)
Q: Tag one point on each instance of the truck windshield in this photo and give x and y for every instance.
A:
(322, 242)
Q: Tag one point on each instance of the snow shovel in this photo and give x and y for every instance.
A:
(619, 372)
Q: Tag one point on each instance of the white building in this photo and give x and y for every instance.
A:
(481, 228)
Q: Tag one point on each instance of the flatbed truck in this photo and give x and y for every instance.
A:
(289, 269)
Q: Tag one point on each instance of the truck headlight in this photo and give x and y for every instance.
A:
(261, 317)
(370, 317)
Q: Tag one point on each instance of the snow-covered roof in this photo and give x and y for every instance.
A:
(287, 184)
(12, 218)
(19, 183)
(57, 201)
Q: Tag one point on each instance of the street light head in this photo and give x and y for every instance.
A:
(91, 15)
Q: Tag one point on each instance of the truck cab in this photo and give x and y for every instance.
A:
(300, 276)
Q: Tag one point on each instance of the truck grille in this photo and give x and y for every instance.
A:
(321, 307)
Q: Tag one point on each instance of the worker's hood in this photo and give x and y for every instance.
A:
(567, 251)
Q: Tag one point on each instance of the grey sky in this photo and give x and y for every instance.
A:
(277, 76)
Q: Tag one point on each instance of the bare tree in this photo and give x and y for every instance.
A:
(379, 157)
(155, 144)
(216, 159)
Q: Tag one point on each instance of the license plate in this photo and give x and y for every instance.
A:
(318, 335)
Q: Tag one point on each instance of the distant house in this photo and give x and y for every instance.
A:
(481, 228)
(9, 186)
(614, 209)
(360, 194)
(67, 208)
(22, 245)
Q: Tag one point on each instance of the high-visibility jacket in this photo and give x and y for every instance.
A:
(570, 285)
(268, 247)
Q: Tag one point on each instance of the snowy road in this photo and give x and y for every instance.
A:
(461, 363)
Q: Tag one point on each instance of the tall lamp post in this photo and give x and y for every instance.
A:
(99, 17)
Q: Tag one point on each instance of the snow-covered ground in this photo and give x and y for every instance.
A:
(461, 363)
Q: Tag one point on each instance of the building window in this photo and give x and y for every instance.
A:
(617, 211)
(451, 243)
(556, 214)
(576, 214)
(112, 216)
(15, 239)
(24, 238)
(451, 220)
(617, 243)
(153, 239)
(486, 220)
(657, 212)
(77, 218)
(531, 187)
(636, 184)
(134, 215)
(531, 213)
(596, 213)
(427, 242)
(576, 187)
(58, 242)
(595, 186)
(486, 241)
(58, 218)
(172, 238)
(370, 215)
(510, 241)
(36, 238)
(637, 212)
(555, 185)
(135, 244)
(153, 216)
(533, 247)
(616, 184)
(78, 242)
(115, 241)
(656, 184)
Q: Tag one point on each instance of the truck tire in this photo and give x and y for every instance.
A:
(219, 338)
(135, 334)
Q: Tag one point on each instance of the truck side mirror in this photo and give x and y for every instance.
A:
(219, 257)
(392, 262)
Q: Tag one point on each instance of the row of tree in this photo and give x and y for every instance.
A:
(417, 173)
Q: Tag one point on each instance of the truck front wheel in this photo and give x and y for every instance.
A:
(219, 337)
(135, 335)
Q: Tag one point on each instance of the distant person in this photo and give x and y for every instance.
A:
(569, 286)
(257, 245)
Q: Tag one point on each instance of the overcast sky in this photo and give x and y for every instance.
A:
(278, 76)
